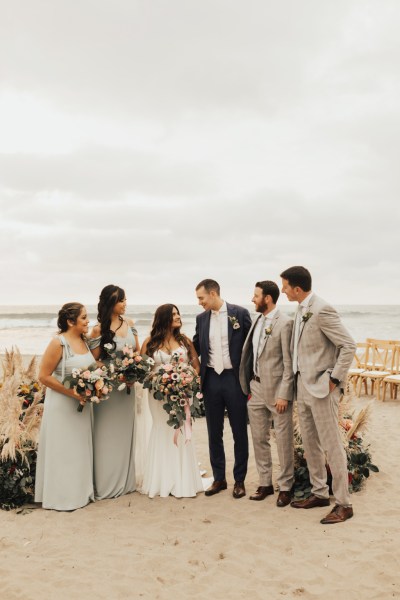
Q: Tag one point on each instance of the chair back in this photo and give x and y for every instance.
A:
(395, 368)
(360, 360)
(380, 356)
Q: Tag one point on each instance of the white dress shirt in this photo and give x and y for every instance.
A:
(219, 317)
(259, 335)
(301, 311)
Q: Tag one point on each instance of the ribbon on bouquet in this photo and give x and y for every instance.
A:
(187, 426)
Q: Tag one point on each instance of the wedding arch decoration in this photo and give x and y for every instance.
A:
(21, 408)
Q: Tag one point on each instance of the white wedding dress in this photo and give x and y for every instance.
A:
(169, 469)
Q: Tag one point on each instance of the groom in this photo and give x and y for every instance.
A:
(220, 334)
(322, 352)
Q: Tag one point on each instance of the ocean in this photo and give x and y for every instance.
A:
(31, 327)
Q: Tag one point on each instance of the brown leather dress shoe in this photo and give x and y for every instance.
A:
(239, 490)
(338, 514)
(262, 492)
(311, 502)
(216, 487)
(284, 498)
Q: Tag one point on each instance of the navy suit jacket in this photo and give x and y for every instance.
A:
(236, 337)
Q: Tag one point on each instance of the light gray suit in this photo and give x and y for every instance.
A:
(325, 349)
(276, 381)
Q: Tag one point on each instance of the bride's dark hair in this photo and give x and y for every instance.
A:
(161, 327)
(109, 297)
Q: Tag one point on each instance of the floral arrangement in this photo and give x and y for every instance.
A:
(359, 459)
(268, 330)
(21, 408)
(28, 392)
(234, 322)
(128, 366)
(94, 383)
(178, 386)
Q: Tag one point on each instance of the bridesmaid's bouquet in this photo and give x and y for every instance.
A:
(128, 366)
(94, 383)
(178, 386)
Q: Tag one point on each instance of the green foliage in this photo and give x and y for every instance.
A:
(359, 466)
(17, 480)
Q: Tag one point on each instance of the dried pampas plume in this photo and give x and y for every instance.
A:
(13, 364)
(19, 425)
(361, 421)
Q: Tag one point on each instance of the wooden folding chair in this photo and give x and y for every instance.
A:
(360, 362)
(393, 380)
(380, 356)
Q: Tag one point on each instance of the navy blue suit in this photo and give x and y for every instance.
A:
(224, 392)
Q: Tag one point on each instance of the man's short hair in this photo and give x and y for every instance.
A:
(269, 288)
(298, 277)
(209, 285)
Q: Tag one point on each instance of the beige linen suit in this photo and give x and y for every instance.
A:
(325, 349)
(276, 381)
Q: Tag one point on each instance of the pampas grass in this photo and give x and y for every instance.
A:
(21, 410)
(19, 426)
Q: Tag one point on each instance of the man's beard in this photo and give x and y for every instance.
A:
(262, 307)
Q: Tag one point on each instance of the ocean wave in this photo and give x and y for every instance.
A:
(16, 322)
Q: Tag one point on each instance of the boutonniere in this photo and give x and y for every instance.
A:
(234, 322)
(306, 317)
(268, 331)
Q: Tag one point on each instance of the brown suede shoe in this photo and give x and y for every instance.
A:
(216, 487)
(338, 514)
(239, 490)
(262, 492)
(311, 502)
(284, 499)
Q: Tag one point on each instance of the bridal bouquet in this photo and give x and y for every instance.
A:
(94, 383)
(178, 386)
(128, 366)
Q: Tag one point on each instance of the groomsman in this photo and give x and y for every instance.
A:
(266, 373)
(220, 334)
(322, 351)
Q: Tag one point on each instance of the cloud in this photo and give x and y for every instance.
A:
(153, 144)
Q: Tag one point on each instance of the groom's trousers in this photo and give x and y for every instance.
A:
(224, 392)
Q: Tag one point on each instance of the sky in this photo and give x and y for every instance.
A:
(151, 144)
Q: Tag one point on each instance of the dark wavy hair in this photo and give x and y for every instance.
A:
(161, 327)
(68, 312)
(109, 297)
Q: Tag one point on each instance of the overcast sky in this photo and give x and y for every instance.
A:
(153, 143)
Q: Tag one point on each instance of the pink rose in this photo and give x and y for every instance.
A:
(86, 374)
(138, 359)
(99, 384)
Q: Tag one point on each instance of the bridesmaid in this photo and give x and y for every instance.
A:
(64, 471)
(113, 432)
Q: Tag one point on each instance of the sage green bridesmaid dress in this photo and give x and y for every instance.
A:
(113, 436)
(64, 468)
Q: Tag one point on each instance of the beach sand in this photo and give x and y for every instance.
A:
(134, 547)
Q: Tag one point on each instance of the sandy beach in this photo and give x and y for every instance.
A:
(134, 547)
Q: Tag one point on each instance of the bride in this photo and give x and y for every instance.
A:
(170, 469)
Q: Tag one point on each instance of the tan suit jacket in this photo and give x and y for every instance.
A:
(274, 363)
(325, 348)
